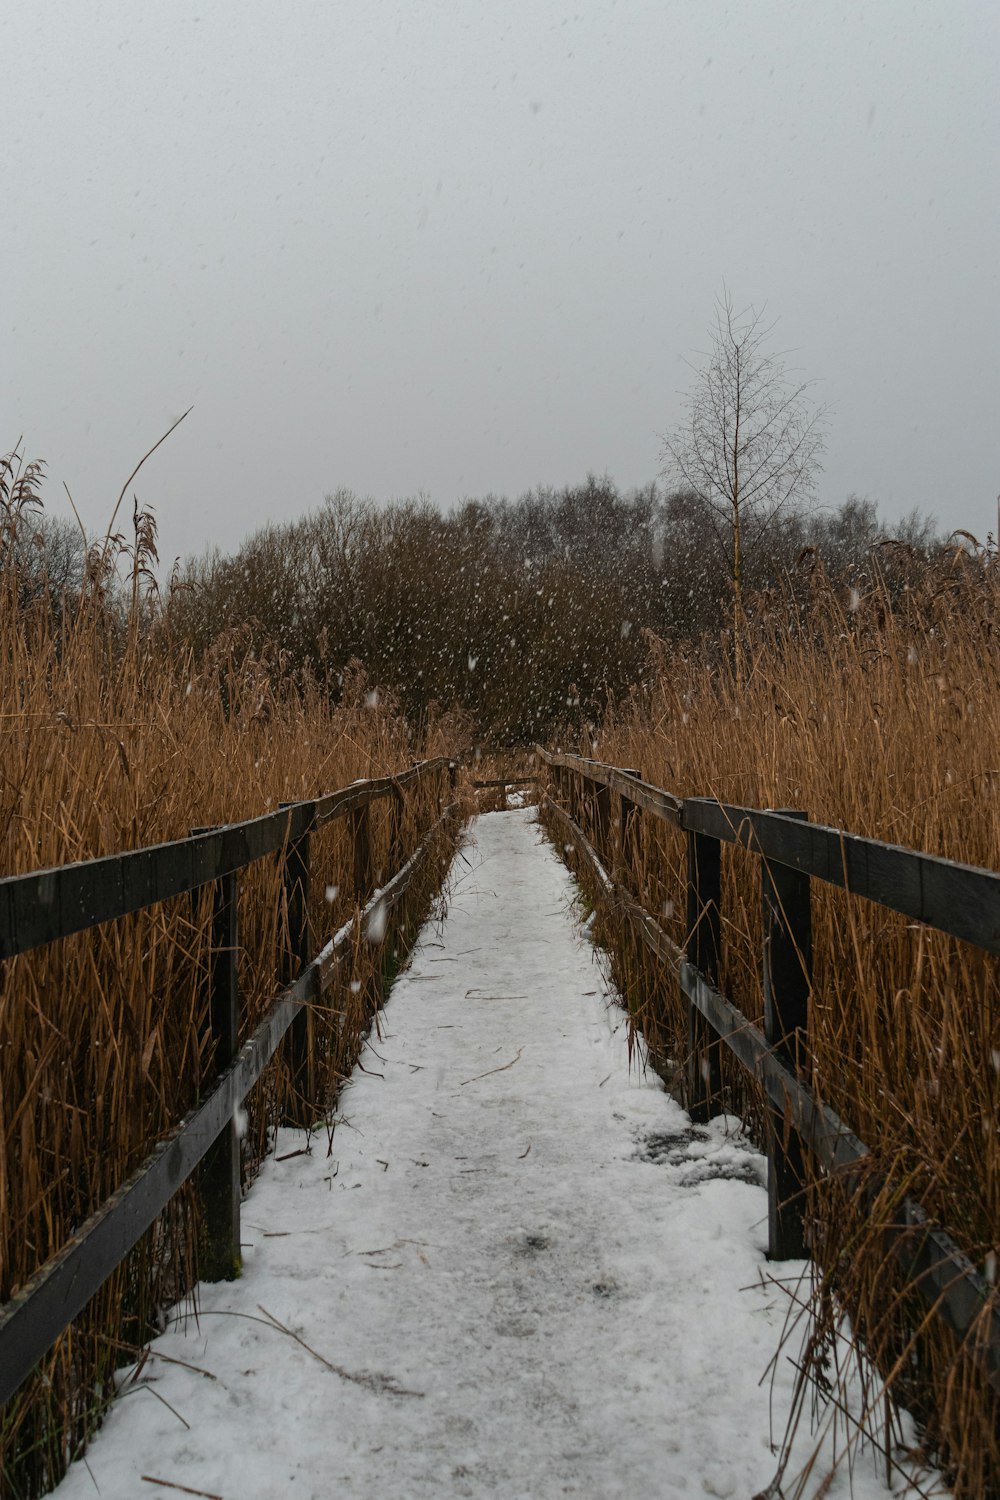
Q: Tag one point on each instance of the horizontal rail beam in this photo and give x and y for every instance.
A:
(962, 900)
(821, 1129)
(32, 1320)
(653, 799)
(582, 842)
(45, 905)
(361, 793)
(505, 781)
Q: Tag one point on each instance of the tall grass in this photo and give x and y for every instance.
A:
(112, 738)
(876, 710)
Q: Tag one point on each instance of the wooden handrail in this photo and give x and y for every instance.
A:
(920, 885)
(32, 1320)
(45, 905)
(962, 900)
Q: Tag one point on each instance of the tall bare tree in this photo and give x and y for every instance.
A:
(751, 442)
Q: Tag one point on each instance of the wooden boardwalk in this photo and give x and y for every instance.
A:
(514, 1269)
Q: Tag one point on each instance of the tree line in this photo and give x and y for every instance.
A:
(530, 614)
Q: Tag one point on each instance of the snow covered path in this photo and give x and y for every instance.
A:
(516, 1273)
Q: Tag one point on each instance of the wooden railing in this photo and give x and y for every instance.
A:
(501, 785)
(954, 898)
(43, 907)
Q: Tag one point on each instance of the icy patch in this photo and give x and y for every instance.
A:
(698, 1154)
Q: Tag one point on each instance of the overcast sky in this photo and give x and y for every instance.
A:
(459, 247)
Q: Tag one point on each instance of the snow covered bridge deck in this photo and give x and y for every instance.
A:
(513, 1270)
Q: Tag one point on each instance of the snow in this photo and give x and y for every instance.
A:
(513, 1268)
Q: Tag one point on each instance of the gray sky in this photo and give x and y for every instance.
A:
(461, 247)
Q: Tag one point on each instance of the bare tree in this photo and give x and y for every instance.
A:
(751, 442)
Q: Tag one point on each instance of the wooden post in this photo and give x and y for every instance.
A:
(602, 820)
(787, 921)
(704, 895)
(587, 807)
(361, 834)
(397, 809)
(364, 884)
(297, 956)
(219, 1174)
(628, 834)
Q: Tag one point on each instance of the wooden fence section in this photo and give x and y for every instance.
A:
(503, 784)
(954, 898)
(41, 908)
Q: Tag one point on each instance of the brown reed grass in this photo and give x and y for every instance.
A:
(113, 739)
(877, 711)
